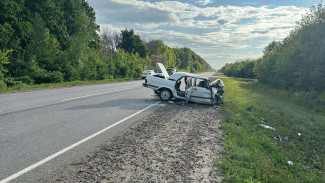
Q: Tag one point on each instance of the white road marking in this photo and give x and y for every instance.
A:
(31, 167)
(96, 94)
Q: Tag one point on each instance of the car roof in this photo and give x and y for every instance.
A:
(178, 75)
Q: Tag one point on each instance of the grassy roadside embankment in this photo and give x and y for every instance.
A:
(256, 154)
(25, 87)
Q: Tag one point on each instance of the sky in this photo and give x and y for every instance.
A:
(220, 31)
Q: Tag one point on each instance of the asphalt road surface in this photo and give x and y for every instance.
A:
(43, 131)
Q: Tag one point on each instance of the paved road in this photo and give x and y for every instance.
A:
(35, 125)
(41, 128)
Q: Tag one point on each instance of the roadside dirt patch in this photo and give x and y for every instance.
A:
(174, 144)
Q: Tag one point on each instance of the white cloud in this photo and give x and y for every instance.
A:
(145, 15)
(205, 2)
(261, 46)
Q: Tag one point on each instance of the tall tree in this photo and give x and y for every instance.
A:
(132, 43)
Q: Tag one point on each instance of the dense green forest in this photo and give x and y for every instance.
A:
(296, 62)
(241, 69)
(49, 41)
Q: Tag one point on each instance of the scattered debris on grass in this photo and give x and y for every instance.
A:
(266, 126)
(299, 134)
(285, 138)
(290, 163)
(263, 120)
(281, 138)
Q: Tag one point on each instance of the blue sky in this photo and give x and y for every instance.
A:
(221, 31)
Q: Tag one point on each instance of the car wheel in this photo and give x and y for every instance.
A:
(165, 95)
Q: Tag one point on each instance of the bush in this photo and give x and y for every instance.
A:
(3, 61)
(10, 82)
(25, 79)
(3, 86)
(54, 77)
(41, 76)
(20, 86)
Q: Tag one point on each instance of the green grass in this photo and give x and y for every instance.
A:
(251, 154)
(25, 87)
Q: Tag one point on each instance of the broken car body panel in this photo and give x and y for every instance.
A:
(186, 86)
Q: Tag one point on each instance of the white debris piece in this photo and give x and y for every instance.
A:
(171, 102)
(266, 126)
(290, 162)
(299, 134)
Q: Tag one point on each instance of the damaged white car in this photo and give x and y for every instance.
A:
(185, 86)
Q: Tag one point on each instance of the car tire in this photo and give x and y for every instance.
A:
(165, 95)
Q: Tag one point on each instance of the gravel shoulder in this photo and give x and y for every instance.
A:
(177, 143)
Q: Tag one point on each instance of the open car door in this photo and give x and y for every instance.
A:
(163, 70)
